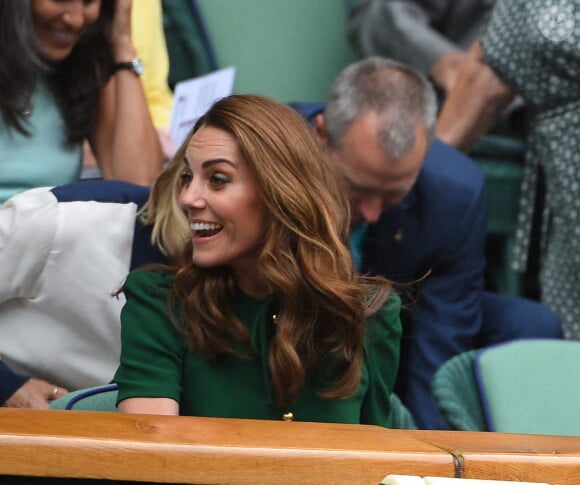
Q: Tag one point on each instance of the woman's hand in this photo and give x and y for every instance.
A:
(476, 101)
(36, 394)
(123, 48)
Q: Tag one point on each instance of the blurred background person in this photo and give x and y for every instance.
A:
(67, 249)
(73, 74)
(148, 36)
(532, 48)
(433, 36)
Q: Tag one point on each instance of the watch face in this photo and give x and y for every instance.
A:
(137, 65)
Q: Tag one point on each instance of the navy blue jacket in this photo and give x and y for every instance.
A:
(437, 233)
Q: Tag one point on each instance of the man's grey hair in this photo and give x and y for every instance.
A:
(400, 95)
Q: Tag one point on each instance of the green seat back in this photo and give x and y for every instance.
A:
(98, 398)
(501, 159)
(289, 50)
(531, 386)
(456, 394)
(189, 56)
(401, 417)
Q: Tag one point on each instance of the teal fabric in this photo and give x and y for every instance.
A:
(531, 386)
(156, 363)
(357, 236)
(98, 398)
(456, 394)
(401, 417)
(41, 159)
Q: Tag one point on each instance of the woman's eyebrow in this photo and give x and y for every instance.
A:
(214, 161)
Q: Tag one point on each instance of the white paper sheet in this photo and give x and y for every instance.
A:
(192, 98)
(402, 480)
(416, 480)
(471, 481)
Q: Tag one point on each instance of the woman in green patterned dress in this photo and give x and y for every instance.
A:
(532, 48)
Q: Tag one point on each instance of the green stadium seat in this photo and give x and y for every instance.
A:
(501, 160)
(289, 50)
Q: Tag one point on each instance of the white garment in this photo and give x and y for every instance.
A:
(60, 262)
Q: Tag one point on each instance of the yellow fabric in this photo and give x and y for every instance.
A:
(149, 40)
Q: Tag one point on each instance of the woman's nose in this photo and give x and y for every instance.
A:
(192, 196)
(74, 15)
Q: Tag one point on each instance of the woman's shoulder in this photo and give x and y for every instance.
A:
(391, 306)
(387, 319)
(393, 303)
(148, 280)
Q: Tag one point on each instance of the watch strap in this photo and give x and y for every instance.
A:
(134, 65)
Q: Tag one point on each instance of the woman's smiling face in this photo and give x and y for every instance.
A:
(59, 24)
(222, 202)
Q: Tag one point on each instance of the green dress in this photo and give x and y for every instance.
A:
(156, 363)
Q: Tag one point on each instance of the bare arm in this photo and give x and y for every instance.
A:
(149, 405)
(124, 140)
(475, 103)
(445, 71)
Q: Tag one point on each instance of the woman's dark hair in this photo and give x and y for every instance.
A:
(75, 82)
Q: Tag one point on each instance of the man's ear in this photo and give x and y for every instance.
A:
(320, 128)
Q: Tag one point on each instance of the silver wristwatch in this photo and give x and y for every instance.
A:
(134, 65)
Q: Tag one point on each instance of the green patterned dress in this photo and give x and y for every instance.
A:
(534, 46)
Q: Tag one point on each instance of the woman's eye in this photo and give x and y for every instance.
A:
(219, 180)
(185, 178)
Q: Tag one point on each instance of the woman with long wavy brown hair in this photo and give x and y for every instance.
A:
(263, 316)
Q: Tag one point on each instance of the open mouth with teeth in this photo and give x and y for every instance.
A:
(205, 229)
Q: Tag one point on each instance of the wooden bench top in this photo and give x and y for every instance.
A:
(170, 449)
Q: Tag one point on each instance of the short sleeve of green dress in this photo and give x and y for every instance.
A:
(156, 363)
(153, 349)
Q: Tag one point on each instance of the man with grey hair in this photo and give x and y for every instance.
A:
(378, 107)
(417, 216)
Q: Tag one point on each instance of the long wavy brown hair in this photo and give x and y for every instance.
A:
(305, 259)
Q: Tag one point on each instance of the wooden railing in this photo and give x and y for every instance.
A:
(163, 449)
